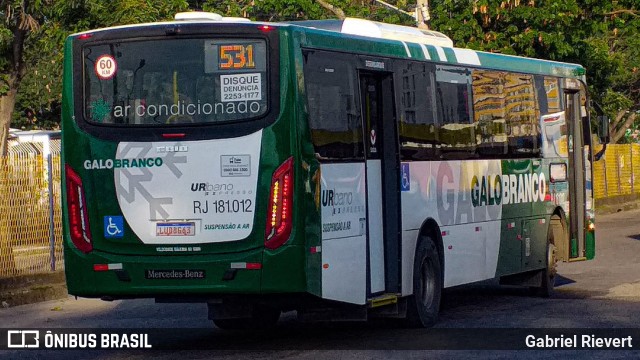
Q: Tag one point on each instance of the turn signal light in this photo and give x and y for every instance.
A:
(77, 207)
(279, 222)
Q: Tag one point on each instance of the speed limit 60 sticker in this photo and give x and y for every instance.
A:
(106, 67)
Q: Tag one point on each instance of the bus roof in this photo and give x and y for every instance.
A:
(368, 28)
(324, 33)
(395, 40)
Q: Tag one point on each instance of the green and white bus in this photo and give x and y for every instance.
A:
(346, 169)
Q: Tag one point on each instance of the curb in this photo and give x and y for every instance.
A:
(28, 289)
(614, 204)
(615, 208)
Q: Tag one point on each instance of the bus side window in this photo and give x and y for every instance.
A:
(553, 126)
(521, 108)
(334, 116)
(489, 112)
(552, 89)
(417, 125)
(454, 100)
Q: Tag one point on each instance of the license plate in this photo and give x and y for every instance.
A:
(176, 229)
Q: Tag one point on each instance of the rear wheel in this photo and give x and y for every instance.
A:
(261, 318)
(424, 305)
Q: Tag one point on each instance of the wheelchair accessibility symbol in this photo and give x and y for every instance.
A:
(113, 227)
(405, 178)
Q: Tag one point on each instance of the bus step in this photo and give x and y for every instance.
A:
(382, 300)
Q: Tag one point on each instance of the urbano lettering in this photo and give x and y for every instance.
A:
(333, 198)
(210, 187)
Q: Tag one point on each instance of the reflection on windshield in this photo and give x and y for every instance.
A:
(175, 82)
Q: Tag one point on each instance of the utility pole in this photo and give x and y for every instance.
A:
(422, 14)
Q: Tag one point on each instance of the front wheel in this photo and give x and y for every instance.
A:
(424, 305)
(549, 273)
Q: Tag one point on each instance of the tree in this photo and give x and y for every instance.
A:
(39, 96)
(292, 10)
(620, 90)
(18, 18)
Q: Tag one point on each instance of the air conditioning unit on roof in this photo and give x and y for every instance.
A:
(197, 15)
(394, 32)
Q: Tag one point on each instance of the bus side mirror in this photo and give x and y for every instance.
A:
(603, 129)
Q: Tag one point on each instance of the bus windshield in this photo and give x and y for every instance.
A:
(158, 82)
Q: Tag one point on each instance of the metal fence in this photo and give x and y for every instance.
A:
(615, 174)
(30, 219)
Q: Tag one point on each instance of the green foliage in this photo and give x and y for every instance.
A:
(535, 29)
(267, 10)
(39, 95)
(292, 10)
(614, 100)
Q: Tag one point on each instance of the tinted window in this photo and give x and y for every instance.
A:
(522, 114)
(453, 94)
(418, 132)
(489, 111)
(334, 115)
(175, 81)
(552, 91)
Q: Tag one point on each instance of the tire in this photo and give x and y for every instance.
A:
(424, 305)
(261, 318)
(551, 261)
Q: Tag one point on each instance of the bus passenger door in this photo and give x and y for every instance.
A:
(382, 177)
(577, 198)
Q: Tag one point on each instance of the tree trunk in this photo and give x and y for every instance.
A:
(7, 104)
(7, 261)
(334, 9)
(621, 126)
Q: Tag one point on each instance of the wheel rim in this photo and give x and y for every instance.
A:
(427, 285)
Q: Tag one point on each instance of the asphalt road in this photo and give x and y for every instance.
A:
(602, 293)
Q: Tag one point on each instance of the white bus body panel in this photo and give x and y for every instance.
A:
(344, 242)
(441, 190)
